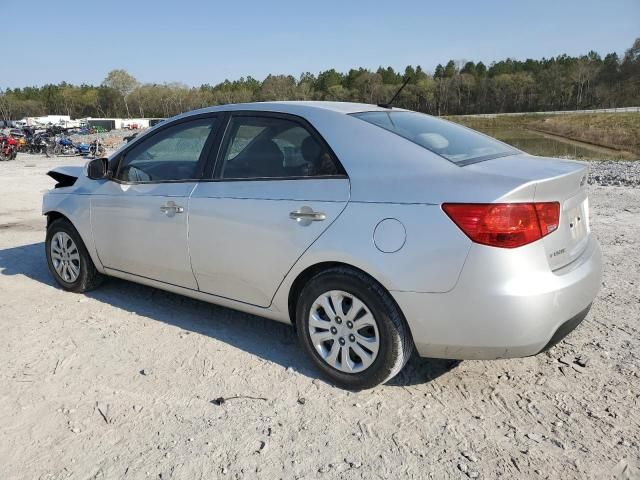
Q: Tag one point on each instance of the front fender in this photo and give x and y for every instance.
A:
(77, 209)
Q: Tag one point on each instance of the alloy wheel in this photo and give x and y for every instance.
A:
(65, 257)
(343, 331)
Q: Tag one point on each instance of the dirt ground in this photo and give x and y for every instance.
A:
(122, 382)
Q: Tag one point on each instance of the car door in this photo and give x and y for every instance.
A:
(139, 217)
(275, 188)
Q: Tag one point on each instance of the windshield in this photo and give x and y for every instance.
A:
(458, 144)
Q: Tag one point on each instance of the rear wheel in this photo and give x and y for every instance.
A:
(68, 259)
(352, 329)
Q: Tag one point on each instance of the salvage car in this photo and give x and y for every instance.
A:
(375, 231)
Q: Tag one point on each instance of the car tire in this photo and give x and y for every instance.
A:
(80, 274)
(384, 340)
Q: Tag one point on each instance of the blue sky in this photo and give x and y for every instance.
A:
(197, 42)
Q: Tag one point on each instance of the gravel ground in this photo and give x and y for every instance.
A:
(124, 382)
(615, 173)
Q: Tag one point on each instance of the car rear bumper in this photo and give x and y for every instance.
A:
(507, 303)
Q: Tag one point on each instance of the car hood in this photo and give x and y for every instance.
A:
(66, 176)
(71, 171)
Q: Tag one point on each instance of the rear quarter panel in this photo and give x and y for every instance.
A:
(430, 260)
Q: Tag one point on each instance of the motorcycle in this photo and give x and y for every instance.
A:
(83, 149)
(8, 148)
(40, 143)
(65, 146)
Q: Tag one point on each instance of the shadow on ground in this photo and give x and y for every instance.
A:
(272, 341)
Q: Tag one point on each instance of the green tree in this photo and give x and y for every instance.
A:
(410, 72)
(450, 69)
(123, 83)
(328, 79)
(278, 87)
(469, 68)
(389, 76)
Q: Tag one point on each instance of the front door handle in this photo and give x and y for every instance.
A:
(305, 215)
(170, 208)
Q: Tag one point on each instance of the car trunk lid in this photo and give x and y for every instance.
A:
(553, 180)
(571, 238)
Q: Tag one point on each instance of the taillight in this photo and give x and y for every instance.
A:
(505, 225)
(548, 216)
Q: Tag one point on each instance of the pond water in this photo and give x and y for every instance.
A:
(537, 143)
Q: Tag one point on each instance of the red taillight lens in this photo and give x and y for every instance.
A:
(548, 216)
(505, 225)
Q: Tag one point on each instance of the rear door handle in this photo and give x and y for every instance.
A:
(305, 215)
(170, 208)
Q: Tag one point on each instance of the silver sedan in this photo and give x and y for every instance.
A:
(374, 231)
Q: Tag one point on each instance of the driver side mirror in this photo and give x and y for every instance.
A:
(98, 169)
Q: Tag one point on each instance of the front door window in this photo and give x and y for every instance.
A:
(173, 154)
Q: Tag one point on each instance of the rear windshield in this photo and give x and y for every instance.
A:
(458, 144)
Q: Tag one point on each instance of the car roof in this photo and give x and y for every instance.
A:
(340, 107)
(295, 107)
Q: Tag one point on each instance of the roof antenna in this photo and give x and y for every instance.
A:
(390, 102)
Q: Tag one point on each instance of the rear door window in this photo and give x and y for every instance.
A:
(272, 147)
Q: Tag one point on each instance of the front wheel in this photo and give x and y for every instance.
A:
(352, 329)
(68, 259)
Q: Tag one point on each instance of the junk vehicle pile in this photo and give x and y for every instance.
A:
(54, 140)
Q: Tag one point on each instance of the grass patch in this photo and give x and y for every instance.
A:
(618, 131)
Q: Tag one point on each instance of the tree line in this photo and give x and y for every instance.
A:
(558, 83)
